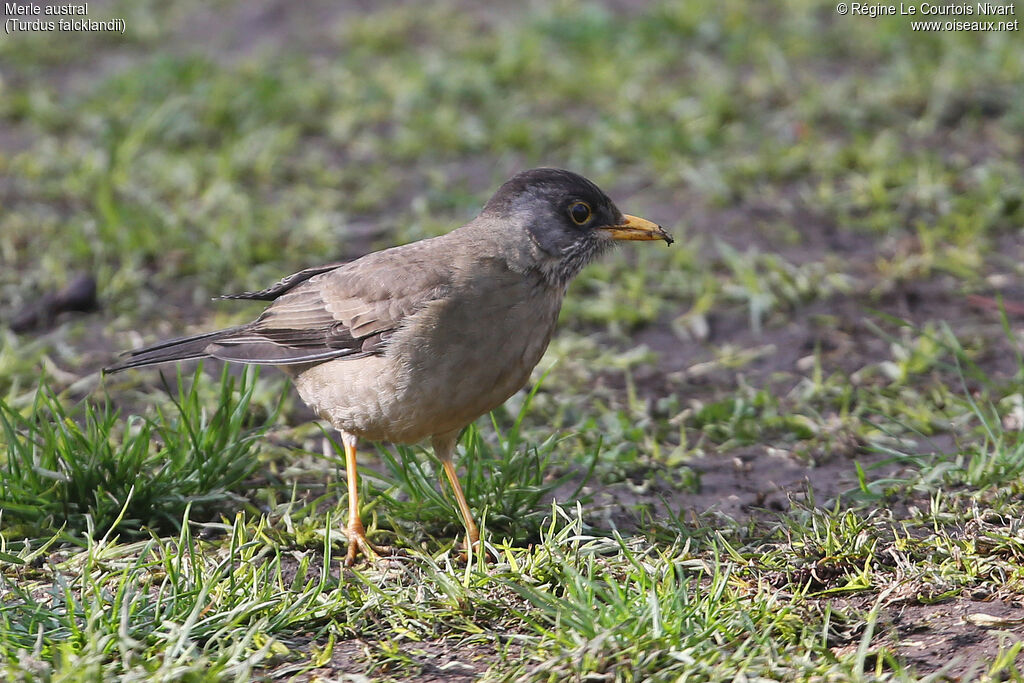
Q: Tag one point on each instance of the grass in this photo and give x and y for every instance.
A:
(841, 189)
(94, 469)
(240, 596)
(510, 482)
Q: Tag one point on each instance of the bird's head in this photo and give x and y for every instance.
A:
(568, 219)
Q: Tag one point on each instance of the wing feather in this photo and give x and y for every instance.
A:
(347, 311)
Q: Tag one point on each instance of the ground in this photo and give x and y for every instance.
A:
(788, 447)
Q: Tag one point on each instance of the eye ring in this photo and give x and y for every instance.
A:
(579, 212)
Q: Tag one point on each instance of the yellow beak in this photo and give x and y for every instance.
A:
(633, 228)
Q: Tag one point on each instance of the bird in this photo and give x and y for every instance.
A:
(417, 341)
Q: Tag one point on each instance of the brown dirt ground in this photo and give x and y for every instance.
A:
(955, 639)
(751, 481)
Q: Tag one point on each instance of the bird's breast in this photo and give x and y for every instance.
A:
(465, 355)
(450, 362)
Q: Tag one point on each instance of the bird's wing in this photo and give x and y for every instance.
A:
(348, 311)
(284, 284)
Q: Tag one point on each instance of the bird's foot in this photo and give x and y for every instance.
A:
(463, 558)
(358, 543)
(472, 551)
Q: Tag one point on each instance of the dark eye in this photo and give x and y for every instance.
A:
(580, 212)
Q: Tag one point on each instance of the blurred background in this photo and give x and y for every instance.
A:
(815, 168)
(842, 309)
(812, 165)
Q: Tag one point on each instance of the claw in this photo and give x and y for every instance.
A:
(358, 543)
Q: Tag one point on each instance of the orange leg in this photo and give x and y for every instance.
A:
(357, 541)
(444, 449)
(472, 532)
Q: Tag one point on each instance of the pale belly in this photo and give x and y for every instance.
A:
(440, 372)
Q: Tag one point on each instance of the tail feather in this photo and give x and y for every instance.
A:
(172, 350)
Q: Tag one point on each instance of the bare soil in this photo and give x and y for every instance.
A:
(754, 480)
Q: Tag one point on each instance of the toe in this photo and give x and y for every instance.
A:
(358, 544)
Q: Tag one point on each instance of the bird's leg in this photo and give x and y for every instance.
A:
(356, 533)
(444, 449)
(472, 532)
